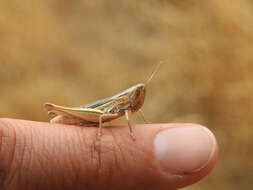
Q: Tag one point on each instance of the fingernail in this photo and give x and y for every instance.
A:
(183, 150)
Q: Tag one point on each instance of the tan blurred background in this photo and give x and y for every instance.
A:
(74, 52)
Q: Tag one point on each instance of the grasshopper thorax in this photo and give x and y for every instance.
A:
(137, 97)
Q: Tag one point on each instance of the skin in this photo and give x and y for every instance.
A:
(37, 155)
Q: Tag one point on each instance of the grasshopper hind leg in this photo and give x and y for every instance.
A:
(70, 120)
(129, 125)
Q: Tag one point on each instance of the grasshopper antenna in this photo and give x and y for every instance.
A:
(153, 73)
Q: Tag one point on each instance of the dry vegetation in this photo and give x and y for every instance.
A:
(74, 52)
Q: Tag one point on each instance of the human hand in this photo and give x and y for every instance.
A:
(36, 155)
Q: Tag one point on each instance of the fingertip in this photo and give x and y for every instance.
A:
(187, 150)
(182, 153)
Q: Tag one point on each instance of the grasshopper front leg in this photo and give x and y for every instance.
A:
(143, 117)
(129, 125)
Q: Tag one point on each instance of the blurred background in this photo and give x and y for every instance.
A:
(74, 52)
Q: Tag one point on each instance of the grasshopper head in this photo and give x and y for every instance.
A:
(137, 97)
(137, 92)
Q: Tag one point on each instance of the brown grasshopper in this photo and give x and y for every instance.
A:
(105, 110)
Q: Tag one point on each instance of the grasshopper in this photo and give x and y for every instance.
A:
(105, 110)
